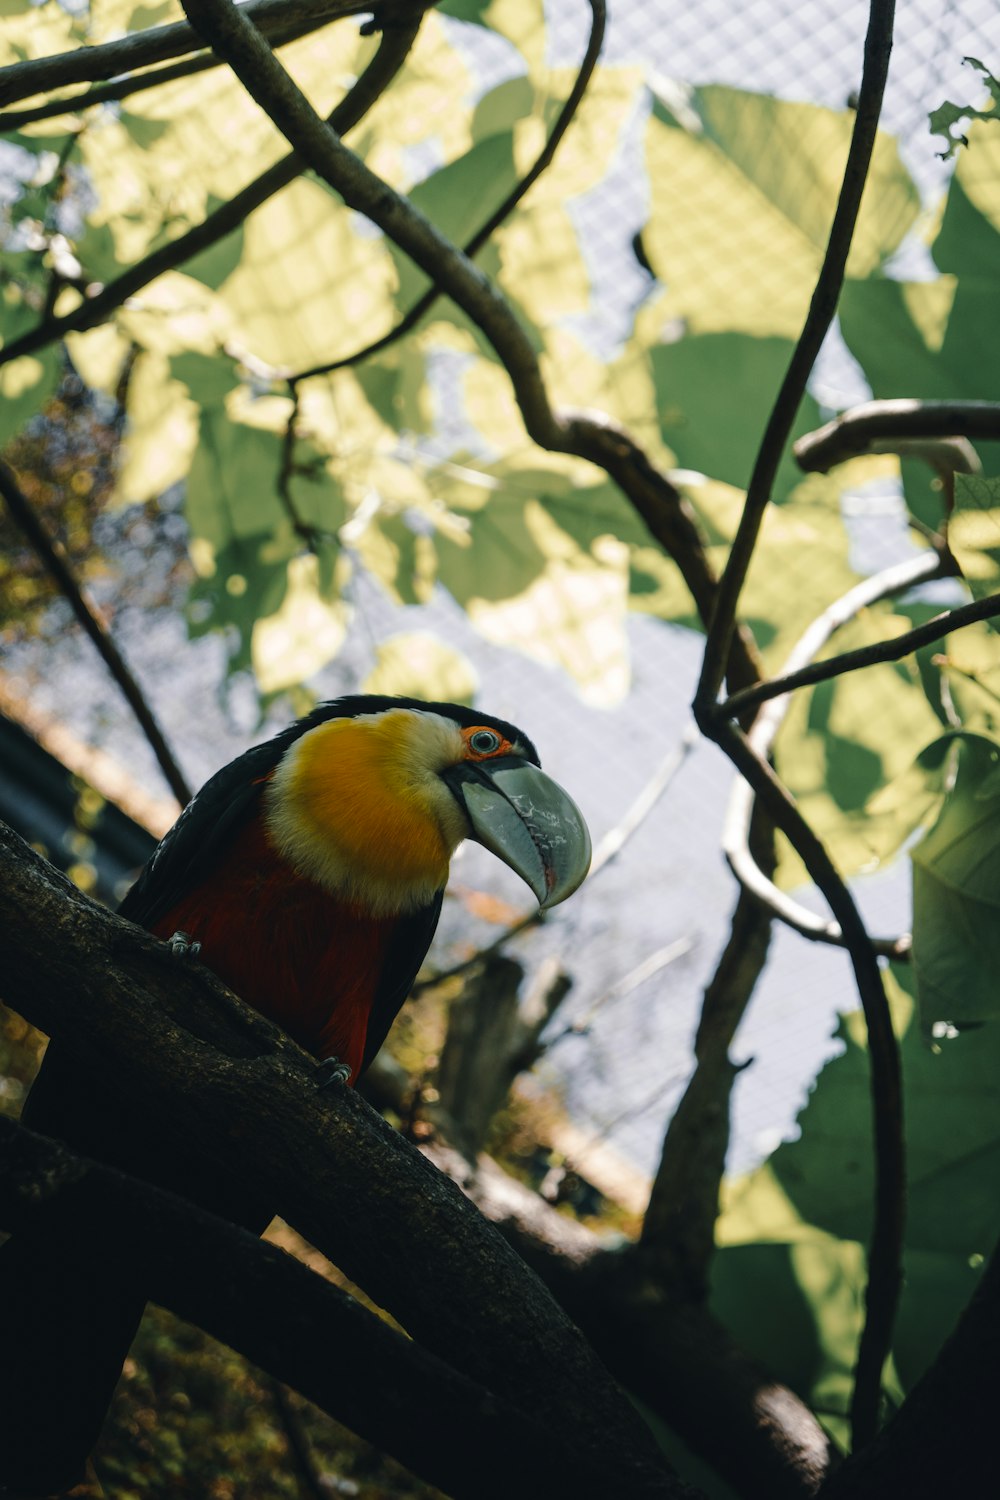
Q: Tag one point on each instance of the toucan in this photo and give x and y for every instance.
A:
(308, 874)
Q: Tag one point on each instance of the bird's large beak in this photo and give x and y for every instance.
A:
(527, 820)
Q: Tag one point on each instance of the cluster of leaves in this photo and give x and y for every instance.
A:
(542, 553)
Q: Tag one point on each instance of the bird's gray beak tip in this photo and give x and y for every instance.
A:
(526, 819)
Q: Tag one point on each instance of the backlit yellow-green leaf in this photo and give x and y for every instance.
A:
(572, 616)
(303, 635)
(420, 665)
(308, 288)
(743, 193)
(174, 314)
(161, 432)
(974, 532)
(99, 355)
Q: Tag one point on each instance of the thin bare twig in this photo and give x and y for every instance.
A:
(650, 966)
(878, 45)
(394, 46)
(23, 514)
(866, 656)
(21, 80)
(736, 830)
(563, 121)
(884, 1261)
(879, 427)
(885, 1249)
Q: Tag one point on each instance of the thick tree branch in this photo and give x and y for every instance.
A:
(178, 1047)
(881, 426)
(23, 515)
(286, 1319)
(678, 1232)
(878, 46)
(395, 44)
(676, 1357)
(160, 43)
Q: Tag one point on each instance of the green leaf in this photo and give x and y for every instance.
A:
(956, 893)
(304, 633)
(161, 432)
(395, 384)
(288, 618)
(714, 393)
(944, 119)
(974, 533)
(457, 199)
(499, 110)
(208, 377)
(794, 1228)
(332, 291)
(416, 664)
(25, 386)
(797, 1307)
(933, 340)
(744, 190)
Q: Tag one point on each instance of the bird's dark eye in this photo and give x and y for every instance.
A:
(484, 742)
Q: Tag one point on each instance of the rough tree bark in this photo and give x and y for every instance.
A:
(172, 1040)
(281, 1315)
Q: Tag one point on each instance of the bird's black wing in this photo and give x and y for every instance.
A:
(187, 851)
(410, 941)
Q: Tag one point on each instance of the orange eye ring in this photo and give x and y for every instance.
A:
(482, 742)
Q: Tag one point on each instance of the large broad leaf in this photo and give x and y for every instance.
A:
(306, 631)
(956, 893)
(161, 433)
(251, 572)
(526, 581)
(793, 1230)
(744, 189)
(457, 199)
(520, 23)
(952, 1109)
